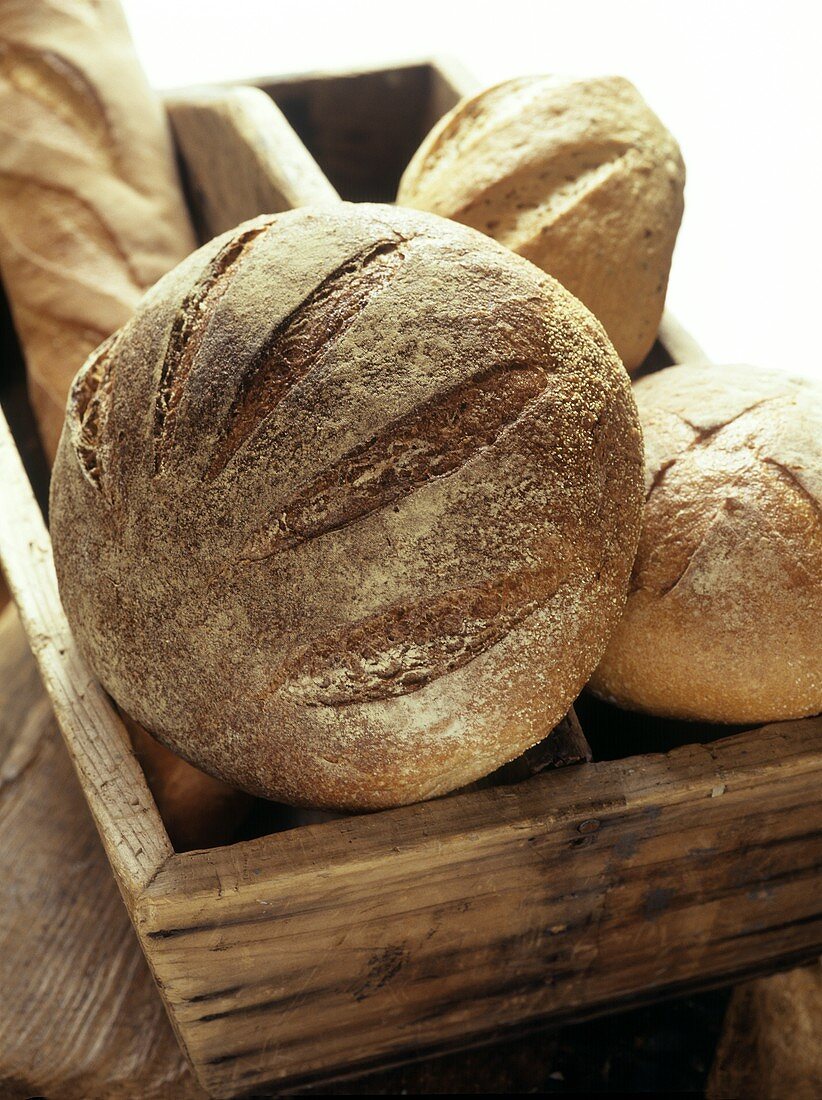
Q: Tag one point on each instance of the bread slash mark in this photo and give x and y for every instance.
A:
(433, 440)
(89, 403)
(303, 339)
(64, 91)
(188, 330)
(542, 198)
(407, 646)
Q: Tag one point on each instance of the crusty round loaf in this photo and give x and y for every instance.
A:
(346, 513)
(578, 176)
(723, 617)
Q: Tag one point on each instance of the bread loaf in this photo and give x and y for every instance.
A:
(91, 211)
(723, 618)
(578, 176)
(346, 513)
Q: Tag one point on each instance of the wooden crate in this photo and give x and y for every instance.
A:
(335, 947)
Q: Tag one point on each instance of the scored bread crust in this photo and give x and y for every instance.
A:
(723, 617)
(346, 513)
(578, 176)
(91, 208)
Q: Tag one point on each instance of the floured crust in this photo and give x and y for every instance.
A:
(722, 620)
(578, 176)
(346, 513)
(91, 208)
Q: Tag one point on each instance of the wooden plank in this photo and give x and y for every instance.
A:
(447, 922)
(362, 126)
(123, 809)
(680, 346)
(367, 940)
(79, 1012)
(449, 82)
(240, 157)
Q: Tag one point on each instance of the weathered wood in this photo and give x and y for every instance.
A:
(197, 810)
(361, 126)
(565, 744)
(115, 787)
(240, 157)
(367, 940)
(678, 342)
(79, 1012)
(584, 888)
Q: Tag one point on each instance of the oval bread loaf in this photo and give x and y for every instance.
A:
(346, 513)
(91, 208)
(723, 619)
(578, 176)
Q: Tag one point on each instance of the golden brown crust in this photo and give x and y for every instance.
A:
(347, 511)
(91, 212)
(578, 176)
(722, 621)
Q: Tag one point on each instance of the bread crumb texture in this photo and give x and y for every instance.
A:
(346, 513)
(579, 176)
(723, 617)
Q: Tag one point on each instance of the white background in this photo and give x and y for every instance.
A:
(737, 83)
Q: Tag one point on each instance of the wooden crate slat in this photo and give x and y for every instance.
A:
(123, 809)
(240, 157)
(548, 901)
(372, 939)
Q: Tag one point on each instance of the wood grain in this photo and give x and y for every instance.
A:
(79, 1012)
(124, 811)
(446, 923)
(369, 940)
(361, 125)
(241, 158)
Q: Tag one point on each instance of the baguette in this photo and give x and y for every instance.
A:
(91, 210)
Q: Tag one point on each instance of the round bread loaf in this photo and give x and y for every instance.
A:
(346, 513)
(723, 618)
(578, 176)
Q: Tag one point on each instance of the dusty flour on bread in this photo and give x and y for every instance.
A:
(91, 208)
(347, 511)
(577, 175)
(722, 620)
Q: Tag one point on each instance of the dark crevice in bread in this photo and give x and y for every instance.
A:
(89, 404)
(303, 339)
(190, 326)
(727, 505)
(63, 90)
(407, 646)
(701, 437)
(704, 434)
(434, 440)
(788, 477)
(658, 477)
